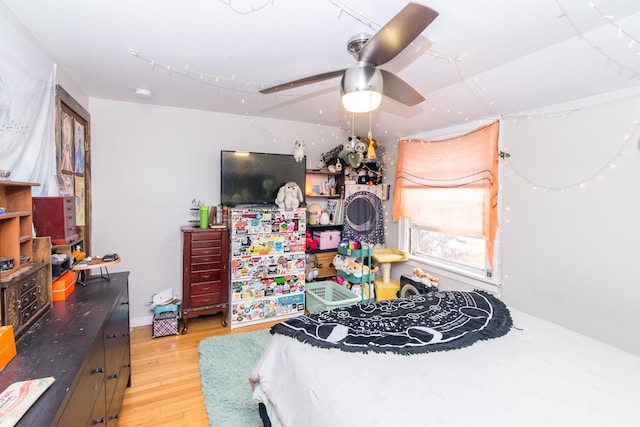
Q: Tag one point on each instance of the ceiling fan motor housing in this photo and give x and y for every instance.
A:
(361, 77)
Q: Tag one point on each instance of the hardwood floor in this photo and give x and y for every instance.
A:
(165, 377)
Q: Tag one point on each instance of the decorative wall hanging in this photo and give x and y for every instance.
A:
(363, 216)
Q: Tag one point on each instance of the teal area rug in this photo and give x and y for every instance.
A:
(225, 363)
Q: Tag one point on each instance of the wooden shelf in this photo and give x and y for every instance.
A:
(15, 224)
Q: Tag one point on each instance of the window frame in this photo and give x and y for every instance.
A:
(466, 274)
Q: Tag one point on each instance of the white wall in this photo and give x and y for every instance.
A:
(149, 162)
(570, 252)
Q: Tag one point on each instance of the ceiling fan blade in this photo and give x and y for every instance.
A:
(397, 34)
(303, 82)
(396, 88)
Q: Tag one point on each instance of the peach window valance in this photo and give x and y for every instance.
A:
(450, 185)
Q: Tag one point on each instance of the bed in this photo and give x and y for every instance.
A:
(530, 373)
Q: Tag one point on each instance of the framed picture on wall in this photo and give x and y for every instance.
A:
(65, 184)
(65, 157)
(78, 137)
(80, 210)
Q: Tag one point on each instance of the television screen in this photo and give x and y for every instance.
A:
(255, 178)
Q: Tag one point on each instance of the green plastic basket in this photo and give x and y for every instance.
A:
(327, 295)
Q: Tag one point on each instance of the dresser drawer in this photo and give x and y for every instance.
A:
(205, 266)
(206, 288)
(206, 251)
(205, 276)
(205, 244)
(209, 235)
(206, 299)
(27, 284)
(206, 258)
(28, 311)
(26, 298)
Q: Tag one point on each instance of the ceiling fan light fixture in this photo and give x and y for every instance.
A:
(361, 88)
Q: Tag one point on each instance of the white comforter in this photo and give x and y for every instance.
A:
(542, 375)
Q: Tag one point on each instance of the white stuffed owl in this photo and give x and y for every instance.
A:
(298, 151)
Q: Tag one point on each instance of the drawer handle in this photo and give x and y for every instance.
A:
(113, 377)
(99, 421)
(206, 276)
(112, 336)
(98, 371)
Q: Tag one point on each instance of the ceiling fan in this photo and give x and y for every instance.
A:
(365, 79)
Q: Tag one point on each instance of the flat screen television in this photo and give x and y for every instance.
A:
(255, 178)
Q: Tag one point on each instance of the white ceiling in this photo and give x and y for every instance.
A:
(478, 59)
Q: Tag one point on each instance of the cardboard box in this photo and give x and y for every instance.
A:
(7, 345)
(64, 286)
(327, 239)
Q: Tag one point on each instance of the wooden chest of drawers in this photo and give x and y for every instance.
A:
(205, 276)
(25, 297)
(55, 216)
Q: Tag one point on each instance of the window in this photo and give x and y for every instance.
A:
(446, 192)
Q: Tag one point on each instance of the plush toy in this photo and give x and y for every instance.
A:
(289, 196)
(424, 277)
(310, 269)
(357, 269)
(350, 157)
(340, 261)
(312, 244)
(329, 158)
(298, 151)
(360, 147)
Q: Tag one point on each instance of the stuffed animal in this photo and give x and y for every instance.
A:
(310, 269)
(289, 196)
(298, 151)
(340, 261)
(357, 269)
(421, 276)
(312, 244)
(350, 157)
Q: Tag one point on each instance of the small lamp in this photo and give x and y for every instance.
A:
(361, 88)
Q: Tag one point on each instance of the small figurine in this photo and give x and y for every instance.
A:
(298, 151)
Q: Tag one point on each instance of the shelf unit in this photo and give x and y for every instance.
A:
(16, 226)
(66, 249)
(363, 256)
(323, 183)
(267, 264)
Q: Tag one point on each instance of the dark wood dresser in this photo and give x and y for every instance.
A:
(83, 342)
(205, 272)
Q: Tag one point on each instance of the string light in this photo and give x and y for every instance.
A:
(472, 84)
(246, 12)
(609, 166)
(620, 31)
